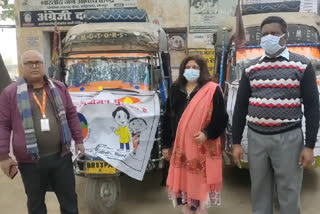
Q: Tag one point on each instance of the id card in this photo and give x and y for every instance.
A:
(45, 127)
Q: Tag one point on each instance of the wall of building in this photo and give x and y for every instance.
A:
(33, 38)
(173, 16)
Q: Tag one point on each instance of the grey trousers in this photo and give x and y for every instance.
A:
(274, 160)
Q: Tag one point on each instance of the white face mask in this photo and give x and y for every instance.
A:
(191, 74)
(270, 44)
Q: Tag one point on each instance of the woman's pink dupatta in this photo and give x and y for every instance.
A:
(195, 171)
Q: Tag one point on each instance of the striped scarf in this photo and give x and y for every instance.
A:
(27, 121)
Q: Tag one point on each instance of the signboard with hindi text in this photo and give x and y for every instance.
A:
(64, 12)
(51, 18)
(208, 54)
(40, 5)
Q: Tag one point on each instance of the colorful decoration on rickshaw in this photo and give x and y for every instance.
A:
(84, 125)
(130, 100)
(99, 86)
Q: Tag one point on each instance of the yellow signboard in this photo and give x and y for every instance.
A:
(99, 167)
(208, 54)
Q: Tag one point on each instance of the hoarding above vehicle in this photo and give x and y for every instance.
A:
(51, 18)
(272, 6)
(116, 15)
(27, 5)
(268, 6)
(72, 12)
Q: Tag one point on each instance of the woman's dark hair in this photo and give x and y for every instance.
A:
(275, 19)
(120, 108)
(204, 71)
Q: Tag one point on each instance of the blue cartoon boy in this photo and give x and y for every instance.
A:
(122, 116)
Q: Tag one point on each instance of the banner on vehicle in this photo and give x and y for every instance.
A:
(119, 127)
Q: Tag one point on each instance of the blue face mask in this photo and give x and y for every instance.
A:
(191, 75)
(270, 44)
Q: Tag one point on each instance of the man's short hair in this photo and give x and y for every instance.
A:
(275, 19)
(24, 54)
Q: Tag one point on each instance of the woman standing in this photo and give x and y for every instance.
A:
(194, 119)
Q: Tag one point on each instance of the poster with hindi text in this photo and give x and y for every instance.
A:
(119, 127)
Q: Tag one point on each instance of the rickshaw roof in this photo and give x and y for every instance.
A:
(132, 37)
(255, 20)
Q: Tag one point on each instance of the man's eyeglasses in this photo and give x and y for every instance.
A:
(30, 64)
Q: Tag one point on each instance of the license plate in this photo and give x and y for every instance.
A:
(99, 167)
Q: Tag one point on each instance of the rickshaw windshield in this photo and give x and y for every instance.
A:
(131, 72)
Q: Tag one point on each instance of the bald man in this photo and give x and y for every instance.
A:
(39, 114)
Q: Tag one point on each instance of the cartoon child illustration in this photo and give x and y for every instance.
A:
(122, 116)
(137, 125)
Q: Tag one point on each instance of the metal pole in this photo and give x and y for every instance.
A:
(222, 57)
(7, 26)
(161, 68)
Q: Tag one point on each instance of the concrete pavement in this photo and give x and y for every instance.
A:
(148, 197)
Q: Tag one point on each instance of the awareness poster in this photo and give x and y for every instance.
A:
(203, 15)
(119, 127)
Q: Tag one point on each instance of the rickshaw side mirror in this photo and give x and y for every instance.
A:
(61, 74)
(156, 75)
(52, 71)
(214, 39)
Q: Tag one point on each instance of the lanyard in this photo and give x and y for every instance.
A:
(43, 106)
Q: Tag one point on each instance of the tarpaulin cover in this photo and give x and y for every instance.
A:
(116, 36)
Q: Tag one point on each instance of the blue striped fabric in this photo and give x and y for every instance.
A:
(26, 116)
(66, 134)
(24, 107)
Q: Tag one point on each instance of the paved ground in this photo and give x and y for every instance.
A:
(149, 198)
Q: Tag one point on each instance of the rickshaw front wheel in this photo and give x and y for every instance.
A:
(102, 194)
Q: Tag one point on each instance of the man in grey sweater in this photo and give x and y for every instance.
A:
(271, 93)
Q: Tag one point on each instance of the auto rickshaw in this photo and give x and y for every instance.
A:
(119, 59)
(5, 78)
(303, 39)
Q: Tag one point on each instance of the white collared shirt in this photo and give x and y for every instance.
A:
(285, 54)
